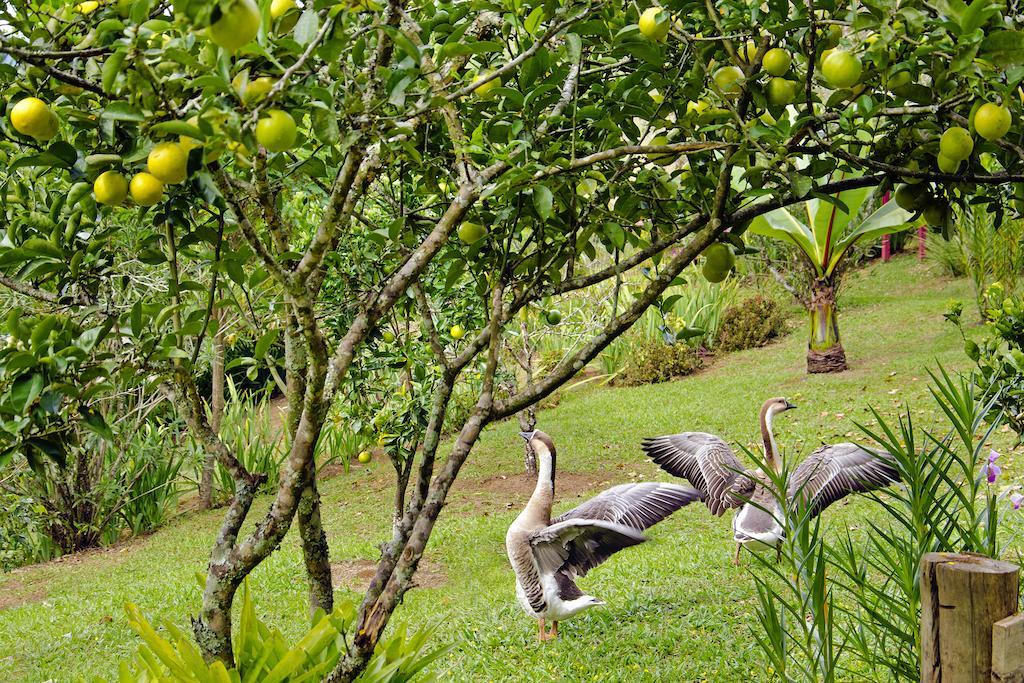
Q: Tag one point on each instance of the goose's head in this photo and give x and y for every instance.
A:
(774, 406)
(543, 446)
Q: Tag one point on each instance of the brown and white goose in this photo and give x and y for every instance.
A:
(828, 474)
(547, 555)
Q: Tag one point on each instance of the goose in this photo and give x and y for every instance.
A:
(547, 555)
(827, 475)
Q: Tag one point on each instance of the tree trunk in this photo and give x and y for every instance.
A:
(962, 597)
(315, 549)
(824, 350)
(216, 411)
(527, 416)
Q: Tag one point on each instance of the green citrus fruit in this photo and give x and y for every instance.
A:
(237, 25)
(910, 197)
(364, 457)
(168, 162)
(729, 80)
(947, 165)
(33, 118)
(992, 121)
(388, 336)
(650, 26)
(841, 69)
(276, 130)
(146, 189)
(936, 213)
(780, 91)
(554, 316)
(486, 90)
(776, 61)
(110, 188)
(471, 233)
(956, 143)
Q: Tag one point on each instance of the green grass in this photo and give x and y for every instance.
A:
(676, 609)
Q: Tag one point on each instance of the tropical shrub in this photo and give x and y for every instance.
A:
(262, 653)
(999, 355)
(986, 247)
(652, 361)
(751, 323)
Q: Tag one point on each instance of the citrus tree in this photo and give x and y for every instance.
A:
(823, 233)
(406, 179)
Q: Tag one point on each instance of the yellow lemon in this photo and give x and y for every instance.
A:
(280, 7)
(650, 27)
(237, 25)
(457, 332)
(168, 162)
(992, 121)
(956, 143)
(729, 80)
(486, 90)
(32, 117)
(87, 7)
(110, 188)
(276, 131)
(146, 189)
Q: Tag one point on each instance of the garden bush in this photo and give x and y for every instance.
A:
(750, 324)
(652, 362)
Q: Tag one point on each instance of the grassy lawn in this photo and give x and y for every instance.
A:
(676, 609)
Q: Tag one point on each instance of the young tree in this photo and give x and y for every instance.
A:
(823, 236)
(463, 160)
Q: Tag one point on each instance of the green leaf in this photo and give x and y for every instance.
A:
(122, 111)
(25, 391)
(543, 201)
(782, 225)
(889, 218)
(111, 68)
(306, 27)
(1005, 48)
(177, 128)
(265, 342)
(95, 422)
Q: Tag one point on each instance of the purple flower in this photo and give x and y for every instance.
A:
(1016, 500)
(992, 470)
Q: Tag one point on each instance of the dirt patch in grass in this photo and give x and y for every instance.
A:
(483, 495)
(356, 574)
(14, 593)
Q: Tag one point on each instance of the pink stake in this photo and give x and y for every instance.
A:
(922, 232)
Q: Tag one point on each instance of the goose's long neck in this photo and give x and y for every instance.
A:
(544, 493)
(771, 450)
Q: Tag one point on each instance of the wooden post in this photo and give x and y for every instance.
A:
(1008, 650)
(962, 598)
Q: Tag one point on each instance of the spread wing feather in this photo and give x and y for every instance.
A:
(707, 462)
(833, 472)
(576, 546)
(638, 506)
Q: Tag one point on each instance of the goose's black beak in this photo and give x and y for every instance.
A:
(528, 435)
(790, 406)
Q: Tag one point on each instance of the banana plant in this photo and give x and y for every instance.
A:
(824, 232)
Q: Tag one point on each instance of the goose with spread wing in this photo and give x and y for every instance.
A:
(548, 555)
(829, 474)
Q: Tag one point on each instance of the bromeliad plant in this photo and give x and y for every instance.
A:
(263, 654)
(824, 230)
